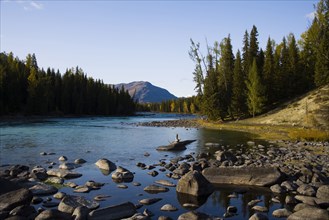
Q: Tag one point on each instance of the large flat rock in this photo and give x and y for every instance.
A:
(255, 176)
(15, 198)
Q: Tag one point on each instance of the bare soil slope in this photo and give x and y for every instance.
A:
(310, 110)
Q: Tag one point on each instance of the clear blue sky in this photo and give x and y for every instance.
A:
(124, 41)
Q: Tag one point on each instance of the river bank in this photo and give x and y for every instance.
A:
(263, 131)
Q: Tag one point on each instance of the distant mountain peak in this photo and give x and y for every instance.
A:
(146, 92)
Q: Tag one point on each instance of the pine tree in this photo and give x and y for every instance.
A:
(322, 48)
(268, 71)
(295, 78)
(239, 87)
(255, 95)
(245, 55)
(253, 45)
(225, 77)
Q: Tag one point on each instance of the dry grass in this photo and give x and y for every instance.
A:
(271, 132)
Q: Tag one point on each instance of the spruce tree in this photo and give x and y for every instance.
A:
(239, 87)
(245, 54)
(253, 45)
(225, 77)
(268, 72)
(255, 95)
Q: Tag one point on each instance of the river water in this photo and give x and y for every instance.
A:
(121, 141)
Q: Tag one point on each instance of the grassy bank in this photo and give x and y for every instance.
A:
(271, 132)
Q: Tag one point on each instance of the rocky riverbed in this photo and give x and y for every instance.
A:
(296, 174)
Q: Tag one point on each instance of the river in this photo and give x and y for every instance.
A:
(121, 141)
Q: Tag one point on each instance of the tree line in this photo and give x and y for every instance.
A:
(27, 89)
(252, 81)
(181, 105)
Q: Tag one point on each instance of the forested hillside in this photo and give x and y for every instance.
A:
(255, 80)
(27, 89)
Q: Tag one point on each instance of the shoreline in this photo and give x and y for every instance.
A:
(264, 131)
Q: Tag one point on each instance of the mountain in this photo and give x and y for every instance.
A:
(145, 92)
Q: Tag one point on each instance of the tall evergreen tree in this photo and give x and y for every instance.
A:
(239, 87)
(268, 72)
(253, 45)
(322, 48)
(245, 54)
(255, 95)
(225, 77)
(295, 78)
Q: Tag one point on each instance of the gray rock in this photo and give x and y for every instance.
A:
(80, 213)
(79, 161)
(15, 198)
(309, 213)
(120, 211)
(323, 192)
(254, 202)
(148, 213)
(194, 215)
(149, 201)
(68, 166)
(280, 213)
(301, 206)
(277, 189)
(39, 173)
(70, 184)
(258, 216)
(288, 186)
(43, 189)
(165, 183)
(306, 190)
(164, 218)
(105, 164)
(122, 175)
(290, 200)
(155, 189)
(53, 214)
(153, 173)
(194, 183)
(54, 180)
(138, 216)
(256, 176)
(64, 173)
(59, 195)
(62, 158)
(69, 203)
(306, 199)
(82, 189)
(168, 207)
(24, 210)
(260, 208)
(225, 156)
(122, 186)
(101, 197)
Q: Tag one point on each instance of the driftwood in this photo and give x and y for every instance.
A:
(175, 145)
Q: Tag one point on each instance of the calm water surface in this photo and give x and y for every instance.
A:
(121, 141)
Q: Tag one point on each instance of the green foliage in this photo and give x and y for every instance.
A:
(255, 95)
(238, 103)
(25, 89)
